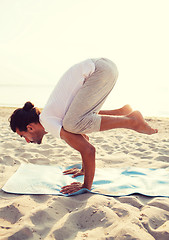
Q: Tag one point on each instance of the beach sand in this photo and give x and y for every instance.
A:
(84, 216)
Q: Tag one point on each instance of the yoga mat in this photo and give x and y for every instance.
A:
(47, 179)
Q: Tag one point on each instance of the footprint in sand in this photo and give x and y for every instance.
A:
(24, 233)
(162, 158)
(26, 155)
(161, 203)
(155, 221)
(39, 160)
(40, 198)
(7, 160)
(41, 217)
(10, 213)
(94, 217)
(131, 200)
(120, 211)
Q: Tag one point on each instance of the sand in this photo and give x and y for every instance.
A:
(84, 216)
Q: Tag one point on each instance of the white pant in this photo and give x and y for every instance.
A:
(82, 115)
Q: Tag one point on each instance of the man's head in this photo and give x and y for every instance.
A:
(25, 122)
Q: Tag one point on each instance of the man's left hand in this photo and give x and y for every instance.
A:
(73, 187)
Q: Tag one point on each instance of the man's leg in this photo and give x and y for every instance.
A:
(134, 121)
(117, 112)
(84, 115)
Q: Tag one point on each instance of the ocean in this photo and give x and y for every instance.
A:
(17, 95)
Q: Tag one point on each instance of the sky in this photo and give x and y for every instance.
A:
(41, 39)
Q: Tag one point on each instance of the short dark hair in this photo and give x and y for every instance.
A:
(21, 117)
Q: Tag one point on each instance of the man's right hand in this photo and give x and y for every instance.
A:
(75, 171)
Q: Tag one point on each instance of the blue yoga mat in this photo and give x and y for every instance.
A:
(46, 179)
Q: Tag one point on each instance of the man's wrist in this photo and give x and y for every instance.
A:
(85, 186)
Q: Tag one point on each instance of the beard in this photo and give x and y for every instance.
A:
(39, 141)
(37, 137)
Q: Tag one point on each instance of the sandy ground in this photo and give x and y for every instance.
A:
(85, 216)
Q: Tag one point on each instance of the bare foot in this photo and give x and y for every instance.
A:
(126, 109)
(140, 124)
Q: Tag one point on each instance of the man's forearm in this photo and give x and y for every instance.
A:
(89, 168)
(87, 152)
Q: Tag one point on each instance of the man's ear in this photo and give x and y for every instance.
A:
(30, 127)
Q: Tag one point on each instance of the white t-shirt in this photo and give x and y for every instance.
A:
(60, 99)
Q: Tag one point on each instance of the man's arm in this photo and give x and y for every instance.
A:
(76, 171)
(87, 152)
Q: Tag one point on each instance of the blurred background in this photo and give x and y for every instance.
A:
(40, 40)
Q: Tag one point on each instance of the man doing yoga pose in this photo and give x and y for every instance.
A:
(73, 110)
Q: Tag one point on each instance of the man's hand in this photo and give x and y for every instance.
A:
(75, 171)
(73, 187)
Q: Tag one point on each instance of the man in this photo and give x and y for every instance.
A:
(73, 110)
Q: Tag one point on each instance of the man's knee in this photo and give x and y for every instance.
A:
(69, 125)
